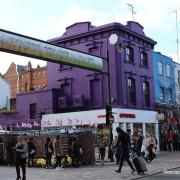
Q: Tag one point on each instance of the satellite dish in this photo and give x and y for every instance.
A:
(113, 38)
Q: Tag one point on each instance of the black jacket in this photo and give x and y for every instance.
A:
(49, 146)
(124, 140)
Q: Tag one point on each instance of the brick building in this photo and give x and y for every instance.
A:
(25, 78)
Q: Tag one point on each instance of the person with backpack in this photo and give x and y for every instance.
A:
(123, 139)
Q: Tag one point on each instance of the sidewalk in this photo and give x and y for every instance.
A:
(164, 161)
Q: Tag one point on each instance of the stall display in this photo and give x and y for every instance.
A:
(86, 140)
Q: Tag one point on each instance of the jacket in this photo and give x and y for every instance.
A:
(22, 149)
(57, 148)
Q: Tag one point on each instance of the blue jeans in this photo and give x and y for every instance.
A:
(102, 153)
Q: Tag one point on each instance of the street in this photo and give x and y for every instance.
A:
(164, 161)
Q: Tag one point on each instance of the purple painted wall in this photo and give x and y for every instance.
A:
(77, 89)
(46, 101)
(94, 40)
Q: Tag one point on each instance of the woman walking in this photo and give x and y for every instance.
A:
(21, 156)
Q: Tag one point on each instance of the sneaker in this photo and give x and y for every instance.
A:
(133, 170)
(59, 168)
(118, 171)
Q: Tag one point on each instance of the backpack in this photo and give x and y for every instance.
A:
(127, 138)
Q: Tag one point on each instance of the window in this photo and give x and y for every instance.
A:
(64, 67)
(144, 59)
(146, 93)
(131, 91)
(160, 68)
(179, 77)
(170, 95)
(167, 70)
(129, 54)
(161, 97)
(33, 111)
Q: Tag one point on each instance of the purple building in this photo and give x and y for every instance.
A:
(85, 92)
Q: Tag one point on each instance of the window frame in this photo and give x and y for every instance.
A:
(168, 70)
(129, 54)
(33, 110)
(160, 71)
(131, 91)
(144, 59)
(161, 95)
(170, 96)
(146, 93)
(178, 77)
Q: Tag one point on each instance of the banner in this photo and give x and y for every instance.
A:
(36, 124)
(73, 119)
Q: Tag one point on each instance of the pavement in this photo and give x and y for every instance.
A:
(164, 161)
(173, 174)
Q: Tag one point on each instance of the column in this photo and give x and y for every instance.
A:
(144, 129)
(132, 130)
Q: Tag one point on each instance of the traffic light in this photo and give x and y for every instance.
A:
(108, 114)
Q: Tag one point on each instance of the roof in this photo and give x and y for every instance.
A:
(21, 68)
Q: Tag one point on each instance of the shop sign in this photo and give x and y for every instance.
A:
(160, 116)
(58, 122)
(26, 46)
(124, 115)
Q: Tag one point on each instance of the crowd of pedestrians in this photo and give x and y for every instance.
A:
(25, 151)
(125, 145)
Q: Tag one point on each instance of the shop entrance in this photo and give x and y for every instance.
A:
(135, 128)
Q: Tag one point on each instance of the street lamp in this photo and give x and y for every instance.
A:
(113, 39)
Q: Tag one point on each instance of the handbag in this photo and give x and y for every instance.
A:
(32, 152)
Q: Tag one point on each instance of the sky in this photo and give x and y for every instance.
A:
(46, 19)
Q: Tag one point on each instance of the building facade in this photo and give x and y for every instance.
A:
(75, 89)
(25, 79)
(5, 94)
(165, 93)
(177, 82)
(131, 74)
(164, 76)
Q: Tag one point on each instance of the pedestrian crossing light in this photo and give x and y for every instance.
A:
(108, 114)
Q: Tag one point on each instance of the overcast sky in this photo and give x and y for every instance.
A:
(46, 19)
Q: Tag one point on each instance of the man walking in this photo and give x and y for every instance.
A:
(123, 140)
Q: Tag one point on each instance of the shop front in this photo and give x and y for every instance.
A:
(135, 120)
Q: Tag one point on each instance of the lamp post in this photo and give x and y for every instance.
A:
(113, 39)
